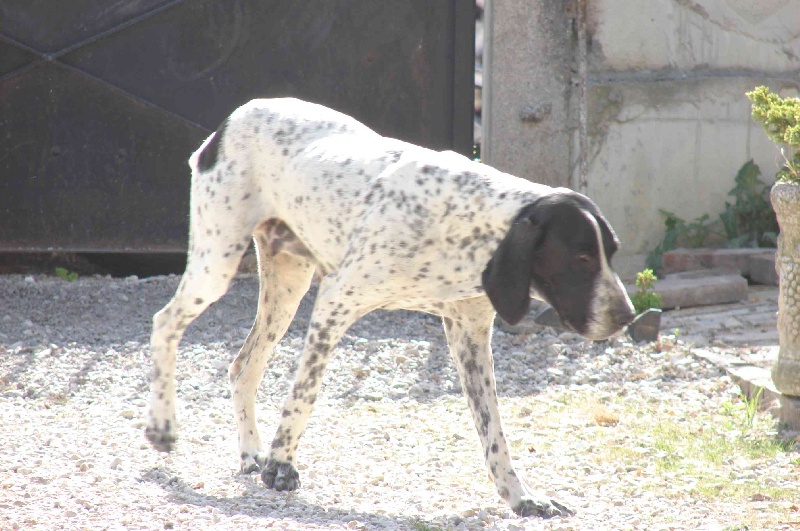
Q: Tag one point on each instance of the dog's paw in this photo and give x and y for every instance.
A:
(544, 507)
(161, 434)
(280, 476)
(251, 463)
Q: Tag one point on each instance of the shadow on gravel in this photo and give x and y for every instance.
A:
(99, 314)
(260, 502)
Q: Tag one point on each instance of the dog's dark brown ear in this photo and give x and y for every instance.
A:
(507, 277)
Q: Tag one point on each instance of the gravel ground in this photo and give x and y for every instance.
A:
(391, 444)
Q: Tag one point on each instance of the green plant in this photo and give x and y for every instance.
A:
(747, 222)
(781, 120)
(645, 296)
(679, 232)
(750, 220)
(750, 408)
(66, 274)
(743, 413)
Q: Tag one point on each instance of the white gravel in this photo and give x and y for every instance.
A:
(391, 444)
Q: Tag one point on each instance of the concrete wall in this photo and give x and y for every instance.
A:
(668, 122)
(526, 133)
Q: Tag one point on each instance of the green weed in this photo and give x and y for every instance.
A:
(747, 222)
(66, 274)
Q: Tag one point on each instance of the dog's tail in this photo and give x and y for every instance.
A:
(206, 156)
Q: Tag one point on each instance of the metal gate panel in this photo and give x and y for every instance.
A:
(55, 27)
(99, 112)
(78, 192)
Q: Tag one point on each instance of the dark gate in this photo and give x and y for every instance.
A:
(101, 101)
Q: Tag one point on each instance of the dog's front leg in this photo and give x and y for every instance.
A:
(468, 326)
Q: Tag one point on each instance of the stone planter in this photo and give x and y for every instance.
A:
(785, 198)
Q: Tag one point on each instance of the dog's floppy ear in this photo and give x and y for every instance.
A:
(507, 277)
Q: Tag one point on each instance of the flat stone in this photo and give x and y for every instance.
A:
(750, 379)
(698, 288)
(702, 273)
(738, 260)
(762, 269)
(720, 359)
(759, 337)
(762, 319)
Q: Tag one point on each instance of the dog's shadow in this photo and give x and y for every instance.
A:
(259, 502)
(436, 375)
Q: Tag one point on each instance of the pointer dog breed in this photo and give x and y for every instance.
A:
(387, 225)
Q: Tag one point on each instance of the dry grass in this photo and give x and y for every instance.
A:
(718, 451)
(602, 415)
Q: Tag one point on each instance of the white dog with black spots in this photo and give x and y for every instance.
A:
(389, 225)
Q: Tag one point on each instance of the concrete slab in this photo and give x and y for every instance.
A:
(762, 269)
(755, 337)
(744, 261)
(729, 323)
(699, 288)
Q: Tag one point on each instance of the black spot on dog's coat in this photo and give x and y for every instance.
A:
(208, 157)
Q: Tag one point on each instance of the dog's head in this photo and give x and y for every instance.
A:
(559, 250)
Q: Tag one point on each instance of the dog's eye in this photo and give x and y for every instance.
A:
(585, 258)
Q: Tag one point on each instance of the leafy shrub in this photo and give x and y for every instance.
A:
(781, 120)
(750, 220)
(747, 222)
(646, 296)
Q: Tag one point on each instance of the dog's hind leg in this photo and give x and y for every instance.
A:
(216, 244)
(285, 270)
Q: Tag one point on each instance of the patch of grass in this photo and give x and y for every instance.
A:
(717, 462)
(722, 452)
(602, 415)
(744, 411)
(66, 274)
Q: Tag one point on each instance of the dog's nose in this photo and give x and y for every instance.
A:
(624, 316)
